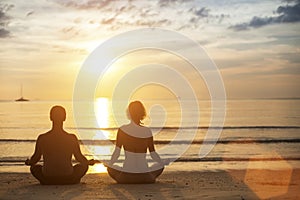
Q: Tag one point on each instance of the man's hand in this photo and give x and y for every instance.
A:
(27, 162)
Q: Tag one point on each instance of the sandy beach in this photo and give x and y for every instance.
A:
(230, 184)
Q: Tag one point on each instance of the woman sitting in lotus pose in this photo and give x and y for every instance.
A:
(136, 140)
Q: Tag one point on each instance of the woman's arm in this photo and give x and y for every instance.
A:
(154, 155)
(116, 153)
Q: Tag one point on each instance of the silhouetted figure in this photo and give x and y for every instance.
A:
(136, 140)
(57, 147)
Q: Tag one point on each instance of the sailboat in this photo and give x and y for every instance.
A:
(21, 98)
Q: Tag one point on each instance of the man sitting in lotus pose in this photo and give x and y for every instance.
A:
(136, 140)
(57, 147)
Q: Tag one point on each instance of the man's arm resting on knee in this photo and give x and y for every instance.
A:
(36, 155)
(78, 155)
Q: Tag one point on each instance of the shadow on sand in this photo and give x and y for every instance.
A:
(234, 184)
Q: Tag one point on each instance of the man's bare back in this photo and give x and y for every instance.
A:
(57, 148)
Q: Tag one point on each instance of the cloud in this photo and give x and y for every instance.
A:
(289, 13)
(205, 15)
(167, 3)
(70, 32)
(29, 13)
(202, 12)
(4, 20)
(119, 14)
(292, 57)
(286, 14)
(83, 5)
(108, 20)
(4, 33)
(140, 23)
(152, 23)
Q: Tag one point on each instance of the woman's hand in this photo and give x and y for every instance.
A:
(166, 161)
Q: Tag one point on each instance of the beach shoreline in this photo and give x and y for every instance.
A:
(220, 184)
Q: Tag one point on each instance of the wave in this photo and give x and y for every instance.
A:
(177, 142)
(168, 127)
(20, 161)
(229, 127)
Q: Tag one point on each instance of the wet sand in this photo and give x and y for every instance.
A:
(230, 184)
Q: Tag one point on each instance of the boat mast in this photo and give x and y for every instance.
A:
(22, 90)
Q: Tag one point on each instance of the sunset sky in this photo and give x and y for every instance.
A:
(254, 43)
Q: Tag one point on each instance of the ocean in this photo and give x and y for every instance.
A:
(257, 133)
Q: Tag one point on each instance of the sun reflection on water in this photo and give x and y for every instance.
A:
(101, 152)
(102, 112)
(97, 168)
